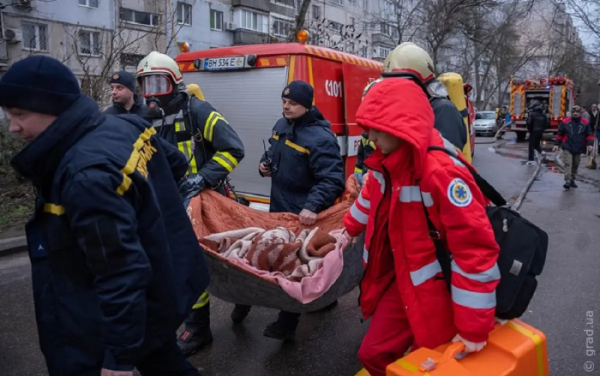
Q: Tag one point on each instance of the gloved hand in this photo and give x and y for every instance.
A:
(469, 346)
(590, 149)
(191, 187)
(358, 176)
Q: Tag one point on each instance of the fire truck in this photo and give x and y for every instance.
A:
(555, 94)
(245, 83)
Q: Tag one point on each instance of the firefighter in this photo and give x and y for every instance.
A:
(401, 290)
(307, 176)
(125, 98)
(365, 149)
(110, 286)
(211, 146)
(410, 61)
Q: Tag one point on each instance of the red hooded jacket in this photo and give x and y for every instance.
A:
(398, 248)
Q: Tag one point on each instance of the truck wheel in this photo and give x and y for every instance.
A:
(521, 136)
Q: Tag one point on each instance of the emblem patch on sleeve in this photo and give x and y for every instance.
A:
(459, 193)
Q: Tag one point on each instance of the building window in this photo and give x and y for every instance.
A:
(35, 36)
(316, 12)
(89, 3)
(364, 51)
(352, 20)
(365, 4)
(338, 2)
(384, 52)
(131, 60)
(89, 43)
(336, 26)
(137, 17)
(216, 20)
(184, 14)
(281, 27)
(254, 21)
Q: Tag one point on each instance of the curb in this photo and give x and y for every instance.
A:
(11, 246)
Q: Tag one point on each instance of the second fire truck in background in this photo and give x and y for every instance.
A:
(555, 94)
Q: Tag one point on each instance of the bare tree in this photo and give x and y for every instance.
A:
(345, 38)
(96, 53)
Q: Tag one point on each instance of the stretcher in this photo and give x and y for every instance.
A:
(513, 349)
(213, 213)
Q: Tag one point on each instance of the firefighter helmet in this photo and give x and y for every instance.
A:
(410, 59)
(158, 75)
(369, 86)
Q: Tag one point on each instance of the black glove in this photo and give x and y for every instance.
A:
(191, 187)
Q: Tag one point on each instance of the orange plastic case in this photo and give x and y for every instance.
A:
(513, 349)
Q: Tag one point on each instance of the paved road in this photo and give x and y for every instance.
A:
(326, 343)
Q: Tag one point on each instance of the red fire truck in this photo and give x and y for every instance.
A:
(245, 84)
(555, 94)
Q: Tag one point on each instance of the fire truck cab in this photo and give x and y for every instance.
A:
(556, 95)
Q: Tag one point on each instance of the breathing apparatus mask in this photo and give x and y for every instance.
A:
(159, 92)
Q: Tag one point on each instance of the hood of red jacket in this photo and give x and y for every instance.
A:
(400, 107)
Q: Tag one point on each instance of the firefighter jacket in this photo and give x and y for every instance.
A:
(365, 149)
(398, 246)
(537, 121)
(210, 144)
(116, 265)
(139, 108)
(307, 171)
(574, 135)
(449, 122)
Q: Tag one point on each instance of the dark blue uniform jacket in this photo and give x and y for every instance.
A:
(115, 262)
(307, 171)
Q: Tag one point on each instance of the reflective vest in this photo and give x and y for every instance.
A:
(183, 138)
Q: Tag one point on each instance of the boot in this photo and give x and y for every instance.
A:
(239, 313)
(196, 334)
(284, 328)
(573, 185)
(567, 185)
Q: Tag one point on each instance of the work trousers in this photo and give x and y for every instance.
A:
(535, 141)
(571, 162)
(166, 361)
(389, 335)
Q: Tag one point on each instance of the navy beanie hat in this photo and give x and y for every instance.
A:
(39, 84)
(300, 92)
(124, 78)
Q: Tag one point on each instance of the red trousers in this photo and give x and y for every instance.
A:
(389, 335)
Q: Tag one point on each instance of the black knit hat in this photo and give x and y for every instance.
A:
(300, 92)
(39, 84)
(124, 78)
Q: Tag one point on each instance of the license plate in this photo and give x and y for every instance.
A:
(222, 63)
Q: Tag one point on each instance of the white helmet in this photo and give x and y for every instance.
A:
(369, 86)
(410, 59)
(158, 74)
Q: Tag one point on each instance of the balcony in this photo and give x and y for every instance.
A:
(262, 5)
(244, 36)
(382, 39)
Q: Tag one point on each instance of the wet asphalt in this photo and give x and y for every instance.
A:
(326, 343)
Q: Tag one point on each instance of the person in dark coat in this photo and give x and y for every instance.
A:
(307, 176)
(573, 135)
(537, 123)
(115, 262)
(125, 98)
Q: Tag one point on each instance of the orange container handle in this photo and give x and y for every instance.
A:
(451, 352)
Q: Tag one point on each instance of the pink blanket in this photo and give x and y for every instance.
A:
(317, 275)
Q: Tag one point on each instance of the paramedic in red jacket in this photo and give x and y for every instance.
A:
(403, 289)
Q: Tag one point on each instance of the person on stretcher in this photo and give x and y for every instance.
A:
(403, 289)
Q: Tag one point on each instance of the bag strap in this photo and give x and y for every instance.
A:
(486, 188)
(442, 255)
